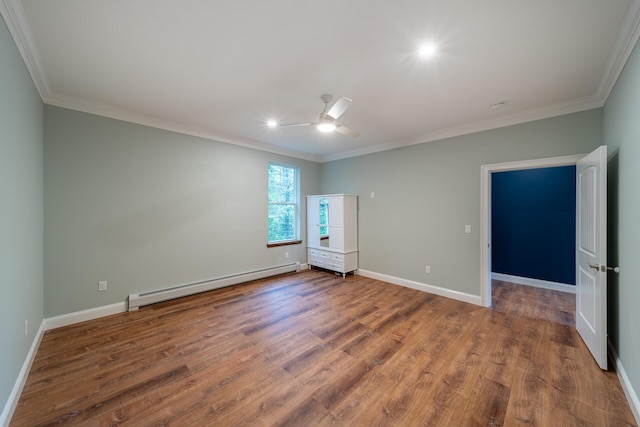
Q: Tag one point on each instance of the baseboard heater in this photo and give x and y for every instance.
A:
(145, 298)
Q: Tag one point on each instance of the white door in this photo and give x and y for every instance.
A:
(313, 221)
(336, 223)
(591, 253)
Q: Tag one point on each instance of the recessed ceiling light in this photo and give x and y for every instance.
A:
(427, 50)
(272, 123)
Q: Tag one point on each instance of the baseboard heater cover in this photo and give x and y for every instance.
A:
(151, 297)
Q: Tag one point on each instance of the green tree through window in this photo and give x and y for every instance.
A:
(283, 202)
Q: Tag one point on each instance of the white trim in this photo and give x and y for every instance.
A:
(14, 397)
(57, 322)
(535, 163)
(437, 290)
(104, 110)
(48, 324)
(94, 313)
(625, 42)
(629, 392)
(84, 315)
(20, 30)
(485, 209)
(18, 26)
(538, 283)
(574, 106)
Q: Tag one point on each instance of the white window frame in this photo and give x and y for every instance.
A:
(295, 204)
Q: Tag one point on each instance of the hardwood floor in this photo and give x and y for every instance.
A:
(310, 348)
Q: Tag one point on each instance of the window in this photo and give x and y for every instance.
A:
(283, 204)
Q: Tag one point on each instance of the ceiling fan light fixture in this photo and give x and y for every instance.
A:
(326, 126)
(327, 122)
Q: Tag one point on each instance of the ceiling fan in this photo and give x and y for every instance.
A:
(328, 117)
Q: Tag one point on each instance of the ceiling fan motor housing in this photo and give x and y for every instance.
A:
(326, 98)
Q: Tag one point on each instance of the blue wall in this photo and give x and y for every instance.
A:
(533, 223)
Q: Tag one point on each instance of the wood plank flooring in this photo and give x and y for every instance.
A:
(310, 348)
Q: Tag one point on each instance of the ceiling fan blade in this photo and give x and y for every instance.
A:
(289, 125)
(339, 107)
(346, 131)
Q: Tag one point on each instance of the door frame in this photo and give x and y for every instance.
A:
(485, 209)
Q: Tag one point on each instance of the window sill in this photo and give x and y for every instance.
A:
(290, 242)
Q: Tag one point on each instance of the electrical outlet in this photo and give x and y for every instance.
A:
(373, 195)
(102, 286)
(286, 254)
(427, 269)
(467, 229)
(26, 328)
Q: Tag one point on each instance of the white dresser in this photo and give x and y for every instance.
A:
(332, 232)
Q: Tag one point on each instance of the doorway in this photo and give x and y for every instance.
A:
(533, 227)
(485, 213)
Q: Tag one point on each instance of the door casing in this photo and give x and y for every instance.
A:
(485, 209)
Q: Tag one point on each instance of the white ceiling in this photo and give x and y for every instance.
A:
(220, 69)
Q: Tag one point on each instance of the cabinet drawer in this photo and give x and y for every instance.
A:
(336, 261)
(337, 258)
(316, 260)
(337, 266)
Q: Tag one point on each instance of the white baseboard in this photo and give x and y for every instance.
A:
(52, 323)
(47, 324)
(554, 286)
(460, 296)
(84, 315)
(629, 392)
(97, 312)
(121, 307)
(14, 397)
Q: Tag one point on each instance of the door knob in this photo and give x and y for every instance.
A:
(604, 268)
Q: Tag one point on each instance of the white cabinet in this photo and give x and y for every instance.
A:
(332, 232)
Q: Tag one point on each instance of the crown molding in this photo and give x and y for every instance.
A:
(104, 110)
(18, 26)
(20, 30)
(15, 19)
(625, 42)
(554, 110)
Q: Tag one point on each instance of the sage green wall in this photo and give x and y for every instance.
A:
(21, 213)
(426, 193)
(622, 136)
(144, 209)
